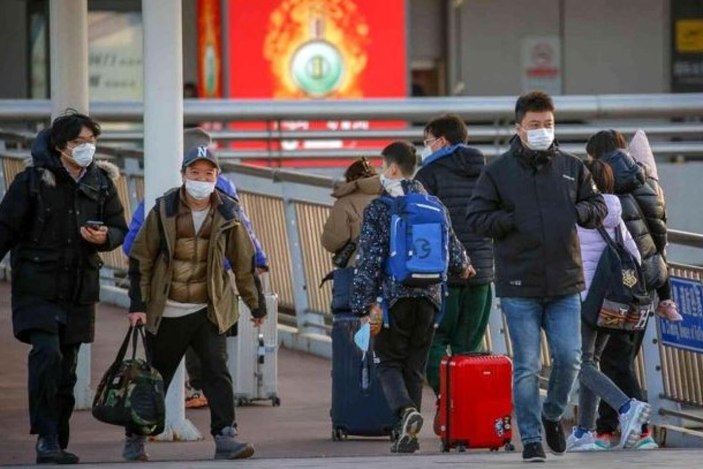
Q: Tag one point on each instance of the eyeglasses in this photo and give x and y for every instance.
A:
(428, 142)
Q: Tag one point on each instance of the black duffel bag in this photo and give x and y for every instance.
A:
(131, 393)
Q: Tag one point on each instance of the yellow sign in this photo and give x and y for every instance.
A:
(689, 36)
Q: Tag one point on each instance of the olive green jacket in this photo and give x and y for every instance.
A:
(151, 263)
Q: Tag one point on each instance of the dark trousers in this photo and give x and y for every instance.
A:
(195, 371)
(51, 379)
(168, 346)
(402, 349)
(618, 363)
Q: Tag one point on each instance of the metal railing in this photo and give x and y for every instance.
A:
(665, 117)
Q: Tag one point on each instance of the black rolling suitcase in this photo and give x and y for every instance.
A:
(359, 406)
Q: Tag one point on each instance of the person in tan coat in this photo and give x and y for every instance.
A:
(181, 291)
(343, 226)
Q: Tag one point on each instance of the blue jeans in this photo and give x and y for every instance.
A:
(560, 317)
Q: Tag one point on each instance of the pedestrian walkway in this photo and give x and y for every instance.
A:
(298, 430)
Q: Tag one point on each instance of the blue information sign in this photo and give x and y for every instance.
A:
(687, 334)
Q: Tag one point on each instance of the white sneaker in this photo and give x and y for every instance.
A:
(631, 423)
(585, 443)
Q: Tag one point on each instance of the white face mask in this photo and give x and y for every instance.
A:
(426, 152)
(83, 154)
(540, 139)
(199, 190)
(392, 186)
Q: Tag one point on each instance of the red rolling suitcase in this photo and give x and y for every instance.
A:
(476, 402)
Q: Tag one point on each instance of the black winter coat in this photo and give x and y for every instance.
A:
(54, 270)
(530, 203)
(644, 213)
(452, 178)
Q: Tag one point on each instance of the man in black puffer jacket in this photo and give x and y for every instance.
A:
(529, 200)
(55, 266)
(449, 171)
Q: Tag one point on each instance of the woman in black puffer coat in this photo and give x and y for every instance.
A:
(644, 213)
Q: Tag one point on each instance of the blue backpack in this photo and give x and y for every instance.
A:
(419, 237)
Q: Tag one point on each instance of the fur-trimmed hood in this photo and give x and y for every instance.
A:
(47, 160)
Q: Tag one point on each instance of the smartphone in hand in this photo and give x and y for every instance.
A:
(94, 224)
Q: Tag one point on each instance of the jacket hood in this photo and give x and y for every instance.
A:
(42, 153)
(612, 219)
(370, 185)
(459, 158)
(629, 175)
(43, 157)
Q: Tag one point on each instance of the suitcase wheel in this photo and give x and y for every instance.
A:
(461, 448)
(509, 447)
(338, 434)
(276, 401)
(443, 448)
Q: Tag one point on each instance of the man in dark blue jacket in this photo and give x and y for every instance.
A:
(450, 169)
(529, 200)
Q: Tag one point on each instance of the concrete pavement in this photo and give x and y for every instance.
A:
(296, 434)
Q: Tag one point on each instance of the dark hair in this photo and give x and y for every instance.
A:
(449, 126)
(190, 90)
(68, 127)
(534, 101)
(602, 175)
(605, 142)
(403, 154)
(360, 168)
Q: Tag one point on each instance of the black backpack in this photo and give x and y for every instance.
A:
(617, 299)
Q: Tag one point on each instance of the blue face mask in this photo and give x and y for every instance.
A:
(363, 337)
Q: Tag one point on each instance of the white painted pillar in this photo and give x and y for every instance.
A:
(68, 45)
(163, 149)
(68, 26)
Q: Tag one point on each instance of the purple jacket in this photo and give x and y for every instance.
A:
(593, 245)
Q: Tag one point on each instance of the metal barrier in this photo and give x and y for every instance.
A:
(283, 124)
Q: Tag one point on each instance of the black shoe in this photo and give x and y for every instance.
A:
(556, 441)
(533, 452)
(49, 452)
(410, 426)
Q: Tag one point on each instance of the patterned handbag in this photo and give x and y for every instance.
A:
(131, 393)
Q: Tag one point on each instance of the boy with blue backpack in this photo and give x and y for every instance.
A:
(405, 251)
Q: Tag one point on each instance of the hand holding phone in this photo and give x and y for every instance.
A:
(94, 224)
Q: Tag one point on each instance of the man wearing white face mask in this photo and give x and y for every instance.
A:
(55, 218)
(529, 200)
(181, 290)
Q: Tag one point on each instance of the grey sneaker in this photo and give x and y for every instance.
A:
(631, 423)
(410, 426)
(228, 447)
(134, 449)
